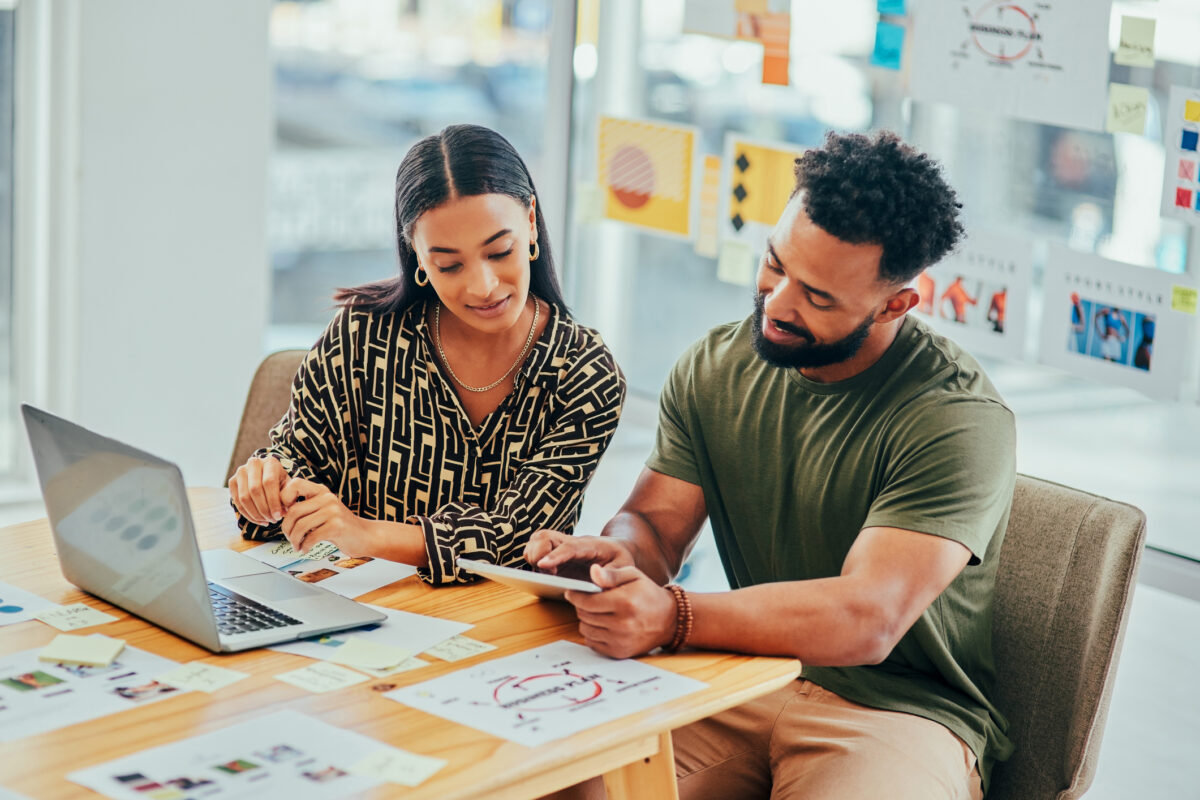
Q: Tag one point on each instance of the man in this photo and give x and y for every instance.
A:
(857, 470)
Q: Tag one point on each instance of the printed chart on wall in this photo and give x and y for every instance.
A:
(646, 173)
(979, 296)
(1181, 185)
(758, 179)
(1117, 323)
(1043, 61)
(545, 693)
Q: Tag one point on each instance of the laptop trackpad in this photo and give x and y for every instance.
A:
(270, 586)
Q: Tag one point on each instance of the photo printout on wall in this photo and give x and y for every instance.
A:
(646, 174)
(1115, 323)
(979, 295)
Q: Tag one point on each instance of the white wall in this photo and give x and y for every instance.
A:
(174, 132)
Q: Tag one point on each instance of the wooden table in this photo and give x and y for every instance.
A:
(633, 753)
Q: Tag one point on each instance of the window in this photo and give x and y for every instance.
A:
(355, 85)
(8, 439)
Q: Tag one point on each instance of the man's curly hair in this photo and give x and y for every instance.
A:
(879, 190)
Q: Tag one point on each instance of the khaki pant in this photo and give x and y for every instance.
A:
(806, 742)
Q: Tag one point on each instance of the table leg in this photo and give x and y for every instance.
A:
(652, 778)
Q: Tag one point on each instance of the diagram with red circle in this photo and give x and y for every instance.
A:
(1004, 31)
(550, 691)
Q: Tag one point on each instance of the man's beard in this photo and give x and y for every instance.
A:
(807, 354)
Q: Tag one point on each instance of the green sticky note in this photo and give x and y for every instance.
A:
(1136, 47)
(736, 263)
(1127, 108)
(1183, 298)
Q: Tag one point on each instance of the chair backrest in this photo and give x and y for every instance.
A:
(1063, 591)
(266, 403)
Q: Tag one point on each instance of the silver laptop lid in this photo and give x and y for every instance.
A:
(122, 525)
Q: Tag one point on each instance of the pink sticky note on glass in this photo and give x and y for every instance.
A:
(1183, 198)
(1187, 169)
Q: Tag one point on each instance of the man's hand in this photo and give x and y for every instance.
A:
(321, 516)
(632, 616)
(572, 556)
(255, 490)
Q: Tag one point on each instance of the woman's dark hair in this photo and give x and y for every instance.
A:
(461, 161)
(879, 190)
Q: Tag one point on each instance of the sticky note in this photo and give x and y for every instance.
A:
(456, 648)
(751, 6)
(1126, 108)
(1183, 198)
(96, 650)
(889, 45)
(589, 201)
(893, 7)
(1187, 141)
(360, 652)
(74, 617)
(1183, 298)
(1187, 169)
(1191, 110)
(322, 677)
(1136, 47)
(410, 663)
(200, 677)
(736, 263)
(397, 766)
(317, 552)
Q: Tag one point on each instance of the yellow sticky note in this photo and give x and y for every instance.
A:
(1136, 47)
(1127, 108)
(96, 650)
(456, 648)
(1183, 298)
(398, 766)
(1191, 110)
(360, 652)
(736, 263)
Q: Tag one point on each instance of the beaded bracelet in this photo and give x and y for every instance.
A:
(683, 618)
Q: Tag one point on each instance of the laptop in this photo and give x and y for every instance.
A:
(124, 532)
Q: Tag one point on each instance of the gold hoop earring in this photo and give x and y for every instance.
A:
(421, 273)
(534, 251)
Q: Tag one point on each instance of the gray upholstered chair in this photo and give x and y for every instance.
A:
(1065, 582)
(266, 402)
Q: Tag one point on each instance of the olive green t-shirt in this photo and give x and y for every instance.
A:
(792, 470)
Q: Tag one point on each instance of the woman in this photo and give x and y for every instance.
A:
(455, 409)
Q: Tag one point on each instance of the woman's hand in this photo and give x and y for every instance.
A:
(255, 490)
(572, 556)
(315, 514)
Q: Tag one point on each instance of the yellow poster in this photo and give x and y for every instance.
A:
(646, 173)
(760, 180)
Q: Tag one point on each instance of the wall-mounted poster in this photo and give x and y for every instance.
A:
(758, 180)
(979, 295)
(1115, 323)
(1045, 61)
(646, 172)
(1181, 184)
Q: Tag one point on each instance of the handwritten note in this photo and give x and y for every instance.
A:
(456, 648)
(1183, 298)
(315, 553)
(889, 45)
(322, 677)
(1136, 48)
(201, 677)
(1126, 108)
(398, 766)
(74, 617)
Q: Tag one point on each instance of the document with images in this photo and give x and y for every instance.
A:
(324, 564)
(37, 696)
(545, 693)
(18, 605)
(412, 632)
(285, 754)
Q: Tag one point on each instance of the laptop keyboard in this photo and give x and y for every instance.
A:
(238, 614)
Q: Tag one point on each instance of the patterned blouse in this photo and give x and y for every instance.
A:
(374, 417)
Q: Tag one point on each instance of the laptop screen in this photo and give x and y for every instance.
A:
(121, 524)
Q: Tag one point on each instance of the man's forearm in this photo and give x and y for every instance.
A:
(640, 539)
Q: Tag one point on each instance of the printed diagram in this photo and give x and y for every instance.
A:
(545, 693)
(1002, 31)
(1041, 60)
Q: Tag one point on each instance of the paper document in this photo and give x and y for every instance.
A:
(285, 754)
(545, 693)
(18, 605)
(411, 632)
(36, 697)
(326, 565)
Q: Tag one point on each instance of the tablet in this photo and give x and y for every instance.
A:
(550, 587)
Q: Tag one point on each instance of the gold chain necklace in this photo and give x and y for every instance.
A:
(437, 335)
